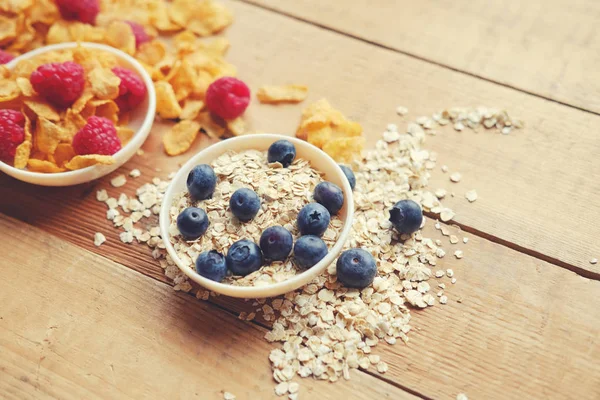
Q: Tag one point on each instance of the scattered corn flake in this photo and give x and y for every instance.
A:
(118, 181)
(237, 126)
(99, 238)
(471, 195)
(180, 137)
(167, 105)
(282, 94)
(455, 177)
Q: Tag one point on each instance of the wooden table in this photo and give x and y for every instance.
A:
(82, 322)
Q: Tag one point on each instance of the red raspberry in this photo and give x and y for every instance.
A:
(81, 10)
(59, 83)
(139, 32)
(98, 136)
(227, 97)
(132, 90)
(12, 133)
(5, 57)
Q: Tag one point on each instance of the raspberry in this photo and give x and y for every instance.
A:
(98, 136)
(59, 83)
(228, 97)
(12, 133)
(81, 10)
(132, 90)
(138, 31)
(5, 57)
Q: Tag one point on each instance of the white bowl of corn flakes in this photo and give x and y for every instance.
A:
(240, 163)
(54, 151)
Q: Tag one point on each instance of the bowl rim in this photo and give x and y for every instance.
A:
(136, 140)
(270, 290)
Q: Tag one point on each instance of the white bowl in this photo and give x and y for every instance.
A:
(318, 160)
(140, 121)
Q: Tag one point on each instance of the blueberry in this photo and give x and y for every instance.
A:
(201, 182)
(211, 264)
(350, 175)
(276, 243)
(282, 151)
(192, 223)
(313, 219)
(244, 257)
(356, 268)
(329, 195)
(244, 204)
(406, 216)
(309, 250)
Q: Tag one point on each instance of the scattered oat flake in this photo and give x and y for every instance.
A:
(228, 396)
(293, 387)
(135, 173)
(471, 195)
(118, 181)
(453, 239)
(455, 177)
(594, 261)
(101, 195)
(444, 168)
(446, 215)
(282, 388)
(449, 273)
(465, 240)
(400, 110)
(443, 299)
(99, 238)
(458, 254)
(461, 396)
(141, 152)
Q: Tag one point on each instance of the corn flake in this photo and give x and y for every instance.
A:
(282, 94)
(167, 105)
(48, 135)
(35, 165)
(105, 84)
(88, 160)
(180, 138)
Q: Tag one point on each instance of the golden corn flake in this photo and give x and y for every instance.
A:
(105, 84)
(9, 90)
(42, 110)
(167, 105)
(35, 165)
(120, 35)
(345, 150)
(48, 135)
(8, 29)
(89, 160)
(237, 126)
(329, 130)
(180, 138)
(151, 53)
(107, 109)
(63, 153)
(82, 101)
(72, 123)
(22, 154)
(25, 87)
(209, 126)
(282, 94)
(191, 108)
(124, 134)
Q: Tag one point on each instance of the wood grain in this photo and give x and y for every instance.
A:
(539, 46)
(126, 335)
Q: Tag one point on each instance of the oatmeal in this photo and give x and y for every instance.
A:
(283, 193)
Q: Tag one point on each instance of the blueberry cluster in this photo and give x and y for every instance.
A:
(355, 267)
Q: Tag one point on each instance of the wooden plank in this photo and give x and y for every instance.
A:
(535, 185)
(518, 317)
(76, 325)
(542, 47)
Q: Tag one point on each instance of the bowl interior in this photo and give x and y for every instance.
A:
(319, 161)
(140, 122)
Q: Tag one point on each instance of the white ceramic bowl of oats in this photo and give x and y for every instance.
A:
(316, 159)
(140, 121)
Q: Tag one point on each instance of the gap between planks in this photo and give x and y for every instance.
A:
(412, 55)
(513, 246)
